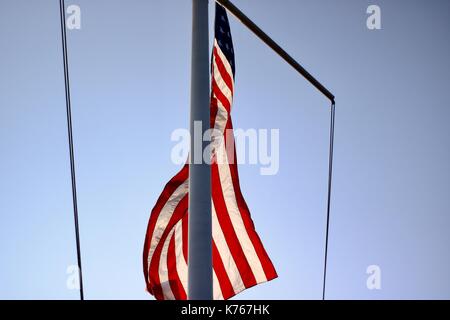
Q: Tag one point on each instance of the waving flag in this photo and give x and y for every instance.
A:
(239, 258)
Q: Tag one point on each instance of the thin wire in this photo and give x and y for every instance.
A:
(70, 137)
(330, 174)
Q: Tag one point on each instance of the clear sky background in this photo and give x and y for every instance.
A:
(130, 71)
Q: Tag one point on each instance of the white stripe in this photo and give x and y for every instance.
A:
(221, 117)
(225, 253)
(164, 217)
(182, 268)
(163, 271)
(217, 291)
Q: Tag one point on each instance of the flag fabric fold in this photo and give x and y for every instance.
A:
(239, 258)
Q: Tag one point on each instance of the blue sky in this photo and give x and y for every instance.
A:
(130, 70)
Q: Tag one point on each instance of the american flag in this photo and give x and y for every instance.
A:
(239, 258)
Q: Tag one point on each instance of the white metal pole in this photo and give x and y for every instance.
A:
(200, 233)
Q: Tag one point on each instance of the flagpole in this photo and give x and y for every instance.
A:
(70, 139)
(200, 225)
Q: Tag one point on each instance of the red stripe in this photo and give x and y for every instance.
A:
(213, 112)
(174, 279)
(224, 282)
(227, 227)
(184, 226)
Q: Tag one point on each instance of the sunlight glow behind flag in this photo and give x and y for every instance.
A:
(239, 258)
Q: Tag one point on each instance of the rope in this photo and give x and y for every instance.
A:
(330, 174)
(70, 138)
